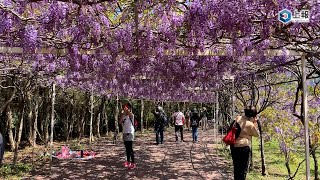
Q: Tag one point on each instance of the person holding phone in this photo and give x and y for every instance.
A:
(127, 120)
(240, 151)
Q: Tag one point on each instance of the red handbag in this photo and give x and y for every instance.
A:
(230, 138)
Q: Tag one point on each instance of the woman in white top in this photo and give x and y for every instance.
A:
(178, 124)
(127, 120)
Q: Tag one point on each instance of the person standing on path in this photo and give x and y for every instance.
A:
(179, 120)
(194, 120)
(204, 118)
(1, 148)
(240, 151)
(127, 120)
(188, 114)
(160, 123)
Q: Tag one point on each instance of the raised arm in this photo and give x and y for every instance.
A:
(131, 115)
(121, 118)
(254, 128)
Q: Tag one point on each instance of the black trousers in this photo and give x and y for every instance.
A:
(176, 129)
(240, 157)
(129, 151)
(159, 135)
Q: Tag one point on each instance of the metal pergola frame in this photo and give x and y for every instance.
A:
(208, 52)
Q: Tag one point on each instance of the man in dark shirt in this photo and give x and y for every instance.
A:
(160, 123)
(194, 121)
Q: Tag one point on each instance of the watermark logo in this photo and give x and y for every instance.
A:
(285, 16)
(300, 16)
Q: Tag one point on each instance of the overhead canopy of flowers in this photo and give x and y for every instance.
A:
(151, 49)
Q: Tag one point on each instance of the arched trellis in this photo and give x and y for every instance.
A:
(85, 2)
(222, 52)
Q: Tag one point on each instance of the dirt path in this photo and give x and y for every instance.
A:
(172, 160)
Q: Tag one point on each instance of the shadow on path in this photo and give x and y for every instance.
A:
(172, 160)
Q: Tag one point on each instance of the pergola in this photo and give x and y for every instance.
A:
(208, 52)
(185, 52)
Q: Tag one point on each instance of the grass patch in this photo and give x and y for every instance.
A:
(275, 162)
(9, 171)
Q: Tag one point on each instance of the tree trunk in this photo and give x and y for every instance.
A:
(116, 114)
(81, 125)
(263, 164)
(46, 107)
(105, 115)
(10, 125)
(69, 120)
(71, 123)
(142, 111)
(288, 169)
(35, 122)
(106, 122)
(98, 125)
(15, 156)
(30, 116)
(316, 165)
(52, 112)
(4, 105)
(100, 117)
(66, 120)
(46, 125)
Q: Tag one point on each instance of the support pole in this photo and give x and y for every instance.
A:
(233, 109)
(142, 117)
(305, 116)
(52, 113)
(217, 121)
(91, 116)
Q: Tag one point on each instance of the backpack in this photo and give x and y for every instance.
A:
(163, 119)
(195, 120)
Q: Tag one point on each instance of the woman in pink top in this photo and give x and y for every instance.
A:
(240, 151)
